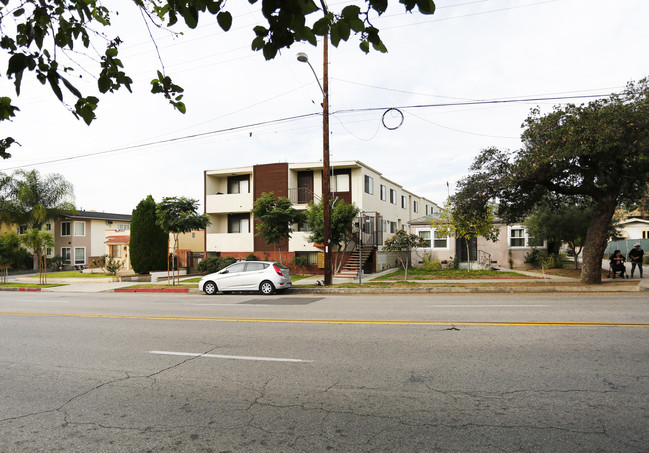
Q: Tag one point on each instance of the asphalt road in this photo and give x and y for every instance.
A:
(246, 373)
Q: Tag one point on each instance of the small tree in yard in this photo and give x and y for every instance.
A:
(9, 253)
(275, 215)
(108, 264)
(342, 216)
(39, 242)
(464, 220)
(402, 243)
(177, 215)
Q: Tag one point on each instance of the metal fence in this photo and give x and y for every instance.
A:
(625, 246)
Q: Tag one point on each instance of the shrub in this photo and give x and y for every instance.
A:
(215, 264)
(535, 257)
(431, 265)
(108, 264)
(252, 257)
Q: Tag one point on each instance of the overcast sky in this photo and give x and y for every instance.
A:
(488, 50)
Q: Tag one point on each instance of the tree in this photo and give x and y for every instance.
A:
(49, 38)
(598, 151)
(563, 223)
(465, 220)
(177, 215)
(402, 244)
(33, 199)
(148, 243)
(276, 215)
(342, 216)
(9, 253)
(39, 242)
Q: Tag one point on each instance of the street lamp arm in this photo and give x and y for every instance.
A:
(302, 57)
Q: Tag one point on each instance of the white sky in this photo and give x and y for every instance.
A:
(467, 51)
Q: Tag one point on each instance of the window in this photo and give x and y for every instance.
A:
(369, 185)
(439, 240)
(427, 212)
(65, 230)
(79, 255)
(384, 195)
(311, 257)
(433, 239)
(116, 251)
(123, 227)
(237, 267)
(79, 228)
(22, 229)
(404, 202)
(393, 227)
(47, 227)
(645, 234)
(239, 223)
(238, 184)
(256, 267)
(340, 183)
(425, 236)
(66, 255)
(518, 237)
(415, 206)
(393, 196)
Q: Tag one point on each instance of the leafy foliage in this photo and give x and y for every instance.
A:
(215, 264)
(276, 215)
(598, 152)
(148, 242)
(342, 216)
(402, 243)
(44, 34)
(108, 264)
(31, 199)
(39, 242)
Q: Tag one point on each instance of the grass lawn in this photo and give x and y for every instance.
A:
(30, 285)
(452, 274)
(75, 274)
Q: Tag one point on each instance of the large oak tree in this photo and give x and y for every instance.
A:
(598, 151)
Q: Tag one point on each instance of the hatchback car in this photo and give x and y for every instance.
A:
(263, 276)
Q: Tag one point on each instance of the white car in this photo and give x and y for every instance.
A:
(263, 276)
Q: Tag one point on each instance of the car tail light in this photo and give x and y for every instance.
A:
(278, 270)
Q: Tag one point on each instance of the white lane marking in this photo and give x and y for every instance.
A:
(235, 357)
(485, 305)
(228, 305)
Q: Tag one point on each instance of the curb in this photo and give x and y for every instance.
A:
(20, 288)
(469, 290)
(151, 290)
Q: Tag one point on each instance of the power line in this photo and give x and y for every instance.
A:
(299, 117)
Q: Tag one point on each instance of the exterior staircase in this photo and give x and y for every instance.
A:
(353, 265)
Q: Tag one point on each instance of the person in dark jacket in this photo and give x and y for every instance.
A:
(635, 256)
(617, 264)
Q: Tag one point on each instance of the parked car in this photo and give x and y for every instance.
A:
(263, 276)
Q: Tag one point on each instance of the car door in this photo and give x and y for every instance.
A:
(230, 278)
(253, 275)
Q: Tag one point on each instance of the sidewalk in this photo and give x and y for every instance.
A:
(308, 285)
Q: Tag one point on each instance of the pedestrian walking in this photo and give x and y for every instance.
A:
(635, 256)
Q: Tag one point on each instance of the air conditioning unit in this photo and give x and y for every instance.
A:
(109, 222)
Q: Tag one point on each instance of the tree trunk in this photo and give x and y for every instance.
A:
(596, 240)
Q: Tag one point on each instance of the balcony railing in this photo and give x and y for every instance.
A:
(302, 195)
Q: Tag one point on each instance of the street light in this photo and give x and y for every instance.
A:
(326, 188)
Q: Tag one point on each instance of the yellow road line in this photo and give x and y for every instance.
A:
(339, 321)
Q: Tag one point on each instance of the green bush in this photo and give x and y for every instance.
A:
(431, 265)
(535, 257)
(252, 257)
(554, 261)
(215, 264)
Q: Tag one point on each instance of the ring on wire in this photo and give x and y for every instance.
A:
(393, 127)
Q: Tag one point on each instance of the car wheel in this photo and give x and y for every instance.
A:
(210, 288)
(266, 288)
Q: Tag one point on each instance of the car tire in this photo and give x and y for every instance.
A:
(210, 288)
(266, 288)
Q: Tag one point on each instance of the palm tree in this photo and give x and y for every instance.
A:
(32, 200)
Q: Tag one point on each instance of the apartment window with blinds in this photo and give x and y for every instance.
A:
(238, 184)
(369, 185)
(239, 223)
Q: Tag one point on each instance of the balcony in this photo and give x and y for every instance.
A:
(225, 203)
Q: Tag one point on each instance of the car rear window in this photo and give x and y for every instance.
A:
(256, 266)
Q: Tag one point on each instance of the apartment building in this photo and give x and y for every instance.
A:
(230, 195)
